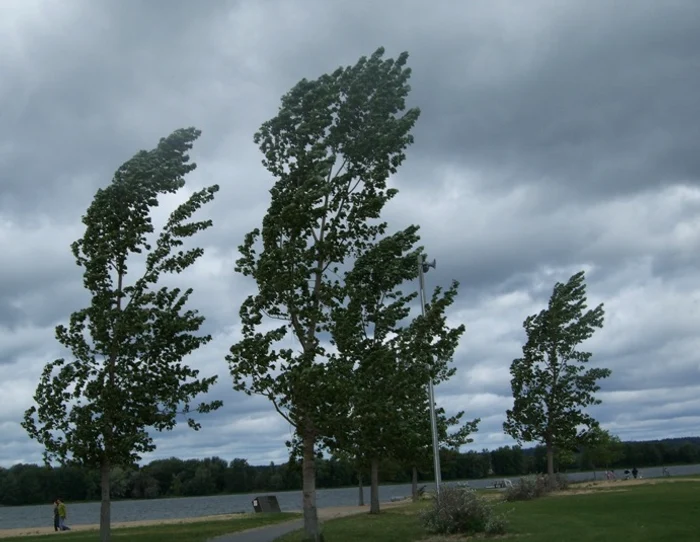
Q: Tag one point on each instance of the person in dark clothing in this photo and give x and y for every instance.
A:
(635, 472)
(56, 521)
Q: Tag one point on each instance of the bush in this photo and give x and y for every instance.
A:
(562, 482)
(459, 510)
(534, 487)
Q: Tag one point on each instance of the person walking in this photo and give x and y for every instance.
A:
(62, 514)
(56, 520)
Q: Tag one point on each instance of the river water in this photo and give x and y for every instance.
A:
(12, 517)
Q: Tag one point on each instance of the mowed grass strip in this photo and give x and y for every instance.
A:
(641, 513)
(181, 532)
(662, 511)
(395, 524)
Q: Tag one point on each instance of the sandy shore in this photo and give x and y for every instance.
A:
(323, 514)
(633, 482)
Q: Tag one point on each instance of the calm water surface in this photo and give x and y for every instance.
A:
(89, 513)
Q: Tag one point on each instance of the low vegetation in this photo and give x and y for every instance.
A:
(533, 487)
(645, 512)
(461, 510)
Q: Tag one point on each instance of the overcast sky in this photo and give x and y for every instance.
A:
(555, 136)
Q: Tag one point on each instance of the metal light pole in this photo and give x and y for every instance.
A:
(423, 267)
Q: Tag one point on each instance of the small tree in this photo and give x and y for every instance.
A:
(128, 345)
(391, 363)
(550, 383)
(331, 147)
(602, 449)
(417, 451)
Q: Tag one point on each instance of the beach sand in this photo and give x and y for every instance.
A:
(323, 514)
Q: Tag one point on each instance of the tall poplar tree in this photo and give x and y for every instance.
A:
(126, 374)
(551, 385)
(331, 148)
(391, 362)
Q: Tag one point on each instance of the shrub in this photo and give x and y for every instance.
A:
(533, 487)
(459, 510)
(524, 489)
(562, 481)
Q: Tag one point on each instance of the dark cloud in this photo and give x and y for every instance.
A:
(555, 136)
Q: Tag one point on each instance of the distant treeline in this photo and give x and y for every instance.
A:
(33, 484)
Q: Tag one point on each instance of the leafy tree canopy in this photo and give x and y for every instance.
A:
(127, 374)
(551, 384)
(331, 148)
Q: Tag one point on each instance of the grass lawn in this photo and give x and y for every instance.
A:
(642, 513)
(394, 525)
(663, 511)
(183, 532)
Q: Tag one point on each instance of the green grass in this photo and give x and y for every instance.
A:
(644, 513)
(182, 532)
(396, 524)
(664, 511)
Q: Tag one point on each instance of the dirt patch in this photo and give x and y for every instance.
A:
(566, 492)
(605, 484)
(608, 486)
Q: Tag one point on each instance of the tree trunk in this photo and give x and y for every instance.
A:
(362, 490)
(550, 459)
(105, 508)
(309, 489)
(414, 484)
(374, 492)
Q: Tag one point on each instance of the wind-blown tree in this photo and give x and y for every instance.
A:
(551, 384)
(127, 373)
(332, 147)
(453, 433)
(391, 362)
(601, 449)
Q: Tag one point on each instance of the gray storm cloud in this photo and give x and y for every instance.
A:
(554, 136)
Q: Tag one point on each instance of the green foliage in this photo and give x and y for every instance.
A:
(367, 333)
(435, 343)
(550, 383)
(25, 484)
(508, 461)
(128, 344)
(460, 510)
(602, 449)
(533, 487)
(453, 433)
(127, 375)
(331, 148)
(391, 362)
(463, 429)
